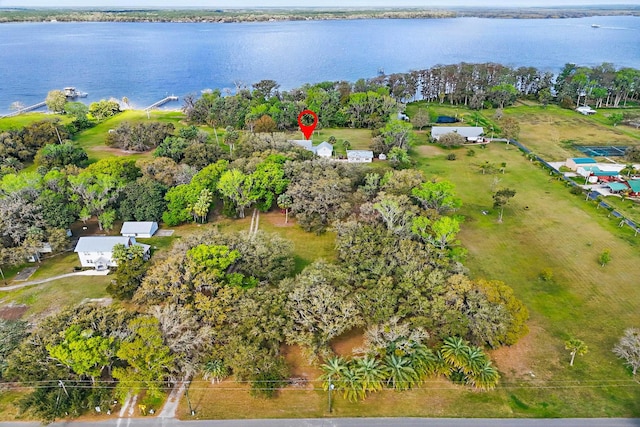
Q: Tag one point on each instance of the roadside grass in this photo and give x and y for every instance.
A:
(9, 411)
(230, 400)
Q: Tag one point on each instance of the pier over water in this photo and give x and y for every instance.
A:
(161, 102)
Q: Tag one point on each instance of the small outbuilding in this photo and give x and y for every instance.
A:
(634, 185)
(324, 149)
(575, 162)
(143, 229)
(359, 156)
(617, 187)
(586, 110)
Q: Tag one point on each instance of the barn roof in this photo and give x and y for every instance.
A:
(635, 185)
(583, 160)
(138, 227)
(466, 131)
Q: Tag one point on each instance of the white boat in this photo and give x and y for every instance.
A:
(71, 92)
(595, 26)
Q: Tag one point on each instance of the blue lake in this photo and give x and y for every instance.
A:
(146, 62)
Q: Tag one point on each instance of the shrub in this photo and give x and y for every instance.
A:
(451, 156)
(546, 274)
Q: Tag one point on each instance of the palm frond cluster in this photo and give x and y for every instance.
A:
(404, 369)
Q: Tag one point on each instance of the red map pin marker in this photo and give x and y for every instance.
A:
(307, 130)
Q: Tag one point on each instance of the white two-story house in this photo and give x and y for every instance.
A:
(97, 251)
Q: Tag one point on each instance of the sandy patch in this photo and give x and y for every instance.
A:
(518, 359)
(346, 343)
(13, 311)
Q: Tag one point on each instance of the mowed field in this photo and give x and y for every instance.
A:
(551, 132)
(547, 227)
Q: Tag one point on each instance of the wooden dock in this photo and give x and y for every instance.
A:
(25, 109)
(161, 102)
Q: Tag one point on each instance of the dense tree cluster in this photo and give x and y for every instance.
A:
(601, 85)
(20, 146)
(139, 136)
(265, 109)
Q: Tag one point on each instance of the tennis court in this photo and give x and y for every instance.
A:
(602, 151)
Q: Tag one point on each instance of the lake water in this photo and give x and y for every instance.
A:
(146, 62)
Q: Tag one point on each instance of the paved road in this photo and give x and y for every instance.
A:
(353, 422)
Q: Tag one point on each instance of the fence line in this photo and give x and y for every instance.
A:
(591, 195)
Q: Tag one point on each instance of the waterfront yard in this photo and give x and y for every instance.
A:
(545, 227)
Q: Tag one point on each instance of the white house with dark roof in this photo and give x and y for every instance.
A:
(97, 251)
(143, 229)
(324, 149)
(471, 133)
(359, 156)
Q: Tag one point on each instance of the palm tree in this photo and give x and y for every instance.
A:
(372, 373)
(575, 347)
(485, 377)
(423, 360)
(628, 169)
(351, 384)
(332, 370)
(215, 370)
(401, 376)
(441, 366)
(454, 352)
(475, 360)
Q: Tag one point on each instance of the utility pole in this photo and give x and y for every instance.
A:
(330, 389)
(191, 411)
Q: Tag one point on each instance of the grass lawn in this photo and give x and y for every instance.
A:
(547, 227)
(22, 120)
(92, 140)
(50, 297)
(551, 132)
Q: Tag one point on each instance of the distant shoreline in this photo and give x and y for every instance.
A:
(8, 15)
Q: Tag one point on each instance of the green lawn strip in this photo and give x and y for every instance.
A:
(22, 120)
(547, 227)
(360, 139)
(52, 296)
(434, 398)
(55, 265)
(629, 208)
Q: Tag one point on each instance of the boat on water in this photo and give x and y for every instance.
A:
(72, 92)
(595, 26)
